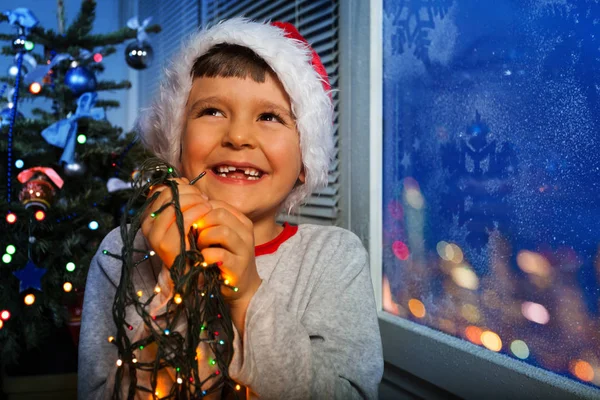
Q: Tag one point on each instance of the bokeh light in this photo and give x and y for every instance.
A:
(533, 263)
(465, 277)
(400, 250)
(441, 249)
(6, 258)
(19, 163)
(35, 88)
(535, 312)
(5, 315)
(582, 370)
(491, 340)
(414, 198)
(417, 308)
(70, 266)
(40, 215)
(10, 249)
(11, 218)
(520, 349)
(473, 334)
(93, 225)
(29, 299)
(67, 287)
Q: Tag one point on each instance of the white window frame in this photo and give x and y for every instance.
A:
(444, 361)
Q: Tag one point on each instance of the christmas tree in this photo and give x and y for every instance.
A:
(64, 169)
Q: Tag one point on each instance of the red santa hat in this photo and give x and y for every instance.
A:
(295, 63)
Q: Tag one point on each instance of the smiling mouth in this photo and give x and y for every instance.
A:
(239, 173)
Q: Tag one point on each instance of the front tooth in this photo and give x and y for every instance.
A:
(224, 175)
(247, 171)
(231, 168)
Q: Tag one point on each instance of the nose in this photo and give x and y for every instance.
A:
(239, 135)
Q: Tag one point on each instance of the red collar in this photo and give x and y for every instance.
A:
(272, 246)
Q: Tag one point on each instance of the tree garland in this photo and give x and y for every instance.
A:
(199, 304)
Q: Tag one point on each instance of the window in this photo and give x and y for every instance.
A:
(316, 20)
(484, 178)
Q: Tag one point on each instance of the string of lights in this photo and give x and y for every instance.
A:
(197, 301)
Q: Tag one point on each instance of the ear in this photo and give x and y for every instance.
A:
(302, 175)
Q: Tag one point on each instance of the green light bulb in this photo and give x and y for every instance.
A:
(7, 258)
(81, 139)
(10, 249)
(70, 266)
(29, 45)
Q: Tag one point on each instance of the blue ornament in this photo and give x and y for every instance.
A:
(80, 80)
(30, 277)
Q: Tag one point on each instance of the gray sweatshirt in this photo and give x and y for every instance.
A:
(311, 329)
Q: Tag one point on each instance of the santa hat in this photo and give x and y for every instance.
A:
(297, 66)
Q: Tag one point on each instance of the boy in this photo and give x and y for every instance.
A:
(249, 104)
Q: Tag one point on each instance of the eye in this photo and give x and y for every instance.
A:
(271, 117)
(213, 112)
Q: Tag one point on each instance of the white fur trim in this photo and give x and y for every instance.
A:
(161, 126)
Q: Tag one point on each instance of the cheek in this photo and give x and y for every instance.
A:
(196, 145)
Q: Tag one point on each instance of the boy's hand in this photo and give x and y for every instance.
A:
(233, 234)
(161, 231)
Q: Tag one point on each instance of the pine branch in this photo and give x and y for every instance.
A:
(116, 37)
(82, 25)
(109, 85)
(108, 104)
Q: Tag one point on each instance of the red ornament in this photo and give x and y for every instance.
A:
(39, 188)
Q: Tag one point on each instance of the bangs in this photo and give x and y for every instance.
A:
(231, 61)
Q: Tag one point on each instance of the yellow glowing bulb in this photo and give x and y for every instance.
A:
(111, 339)
(152, 253)
(204, 264)
(139, 293)
(134, 360)
(177, 299)
(195, 226)
(29, 299)
(237, 387)
(157, 393)
(67, 287)
(226, 281)
(119, 362)
(157, 289)
(1, 324)
(179, 380)
(491, 340)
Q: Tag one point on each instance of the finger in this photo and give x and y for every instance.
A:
(221, 257)
(222, 216)
(162, 222)
(171, 238)
(222, 236)
(238, 214)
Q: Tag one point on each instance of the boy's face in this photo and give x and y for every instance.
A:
(233, 122)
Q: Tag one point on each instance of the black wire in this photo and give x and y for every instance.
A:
(203, 308)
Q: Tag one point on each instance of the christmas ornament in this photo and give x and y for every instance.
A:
(19, 43)
(39, 188)
(63, 133)
(116, 184)
(80, 80)
(74, 169)
(30, 277)
(139, 53)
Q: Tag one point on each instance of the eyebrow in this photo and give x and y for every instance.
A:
(210, 101)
